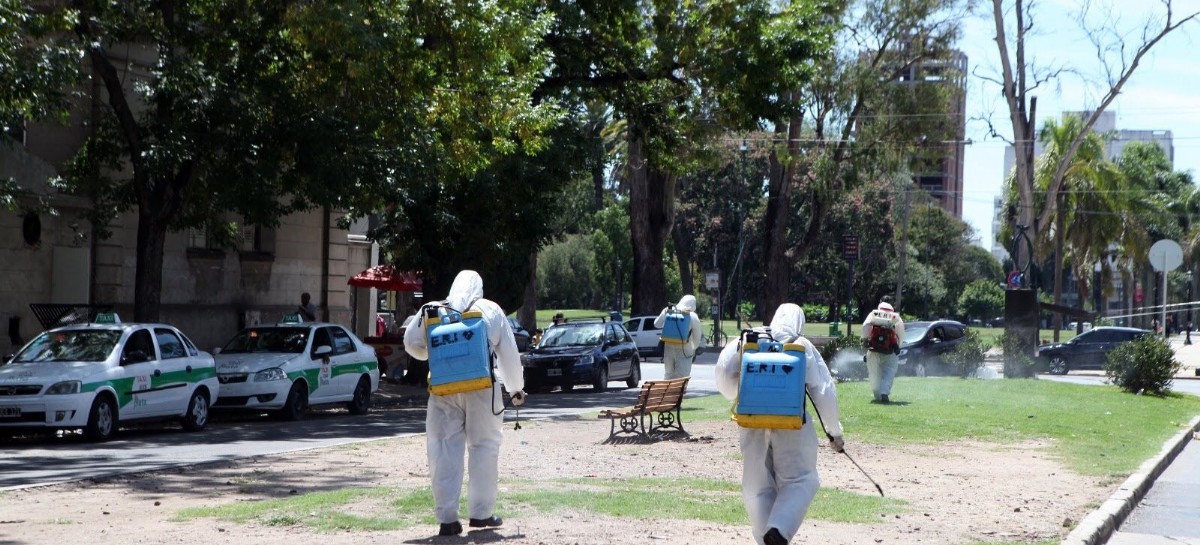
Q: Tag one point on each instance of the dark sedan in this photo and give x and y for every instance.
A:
(925, 345)
(520, 334)
(1088, 350)
(582, 353)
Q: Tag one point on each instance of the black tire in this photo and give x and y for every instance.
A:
(361, 402)
(296, 404)
(196, 417)
(600, 383)
(103, 419)
(635, 374)
(1058, 365)
(567, 387)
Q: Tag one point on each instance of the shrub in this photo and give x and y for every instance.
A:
(844, 356)
(968, 355)
(1146, 365)
(1017, 363)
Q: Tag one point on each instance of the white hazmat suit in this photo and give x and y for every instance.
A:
(469, 421)
(677, 359)
(881, 368)
(779, 467)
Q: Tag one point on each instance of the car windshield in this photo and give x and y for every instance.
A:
(71, 345)
(583, 335)
(288, 340)
(914, 333)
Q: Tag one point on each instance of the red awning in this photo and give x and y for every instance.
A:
(386, 277)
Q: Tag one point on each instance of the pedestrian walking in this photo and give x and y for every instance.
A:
(779, 453)
(681, 335)
(460, 337)
(883, 330)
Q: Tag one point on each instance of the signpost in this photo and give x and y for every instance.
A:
(1165, 256)
(850, 254)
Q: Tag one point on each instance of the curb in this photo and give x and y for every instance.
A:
(1098, 527)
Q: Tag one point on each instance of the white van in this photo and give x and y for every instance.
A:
(647, 337)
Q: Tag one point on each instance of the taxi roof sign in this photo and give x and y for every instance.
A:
(293, 318)
(107, 318)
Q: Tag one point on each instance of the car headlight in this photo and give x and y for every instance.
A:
(267, 375)
(585, 360)
(65, 387)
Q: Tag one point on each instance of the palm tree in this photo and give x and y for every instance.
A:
(1097, 207)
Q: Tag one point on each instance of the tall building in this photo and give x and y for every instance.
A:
(940, 173)
(1118, 139)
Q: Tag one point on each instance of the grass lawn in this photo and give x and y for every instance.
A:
(1097, 430)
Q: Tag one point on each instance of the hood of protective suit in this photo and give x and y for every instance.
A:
(687, 303)
(787, 323)
(466, 289)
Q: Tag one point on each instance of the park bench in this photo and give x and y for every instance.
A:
(659, 400)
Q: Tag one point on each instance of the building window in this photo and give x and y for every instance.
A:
(257, 239)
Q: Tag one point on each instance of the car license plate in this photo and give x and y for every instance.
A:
(10, 412)
(554, 372)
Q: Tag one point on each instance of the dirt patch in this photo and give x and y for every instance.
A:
(957, 493)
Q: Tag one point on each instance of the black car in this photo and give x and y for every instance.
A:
(520, 334)
(925, 344)
(582, 352)
(1088, 350)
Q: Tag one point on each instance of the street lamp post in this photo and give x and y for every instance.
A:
(1188, 327)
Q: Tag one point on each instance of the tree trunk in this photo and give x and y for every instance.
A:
(651, 213)
(527, 315)
(684, 256)
(776, 219)
(147, 285)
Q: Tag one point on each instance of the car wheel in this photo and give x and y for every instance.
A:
(600, 384)
(297, 402)
(361, 402)
(196, 417)
(635, 374)
(102, 419)
(1058, 365)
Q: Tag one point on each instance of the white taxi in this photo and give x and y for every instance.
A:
(95, 376)
(287, 367)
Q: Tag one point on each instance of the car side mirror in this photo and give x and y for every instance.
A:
(216, 351)
(322, 351)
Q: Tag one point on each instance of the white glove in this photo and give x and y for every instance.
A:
(838, 444)
(518, 398)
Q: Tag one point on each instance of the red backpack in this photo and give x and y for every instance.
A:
(882, 336)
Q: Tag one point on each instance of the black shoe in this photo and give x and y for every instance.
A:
(884, 399)
(450, 528)
(773, 537)
(487, 522)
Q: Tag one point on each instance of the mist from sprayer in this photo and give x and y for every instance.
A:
(848, 364)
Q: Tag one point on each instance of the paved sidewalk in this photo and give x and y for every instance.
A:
(1159, 503)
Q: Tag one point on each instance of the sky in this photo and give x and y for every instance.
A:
(1163, 94)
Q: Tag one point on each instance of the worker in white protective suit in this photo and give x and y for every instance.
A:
(882, 362)
(679, 341)
(469, 421)
(779, 466)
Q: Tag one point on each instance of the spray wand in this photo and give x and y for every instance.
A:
(830, 437)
